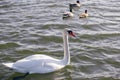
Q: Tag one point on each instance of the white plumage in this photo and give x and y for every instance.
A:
(42, 63)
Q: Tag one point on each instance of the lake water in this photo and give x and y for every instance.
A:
(30, 27)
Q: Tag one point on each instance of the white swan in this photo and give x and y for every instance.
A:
(42, 63)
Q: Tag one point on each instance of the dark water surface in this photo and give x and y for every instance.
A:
(30, 27)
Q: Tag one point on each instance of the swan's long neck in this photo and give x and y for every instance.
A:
(66, 58)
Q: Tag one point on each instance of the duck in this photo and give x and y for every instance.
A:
(68, 14)
(40, 63)
(83, 15)
(76, 5)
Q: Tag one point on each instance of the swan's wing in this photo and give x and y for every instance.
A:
(33, 60)
(47, 67)
(37, 56)
(37, 64)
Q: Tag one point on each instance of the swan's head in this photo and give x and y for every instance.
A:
(71, 33)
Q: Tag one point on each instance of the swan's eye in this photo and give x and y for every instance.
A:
(71, 33)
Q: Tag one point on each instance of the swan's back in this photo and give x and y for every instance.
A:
(38, 64)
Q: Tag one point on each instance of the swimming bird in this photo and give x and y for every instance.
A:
(76, 5)
(40, 63)
(68, 14)
(83, 15)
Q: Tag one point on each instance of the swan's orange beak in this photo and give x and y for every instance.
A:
(72, 34)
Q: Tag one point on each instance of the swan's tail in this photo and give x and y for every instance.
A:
(10, 65)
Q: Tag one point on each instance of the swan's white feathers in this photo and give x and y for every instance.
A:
(39, 63)
(36, 64)
(10, 65)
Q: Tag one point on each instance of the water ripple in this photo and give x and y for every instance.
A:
(30, 27)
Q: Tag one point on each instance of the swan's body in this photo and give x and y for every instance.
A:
(83, 15)
(42, 63)
(68, 14)
(36, 64)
